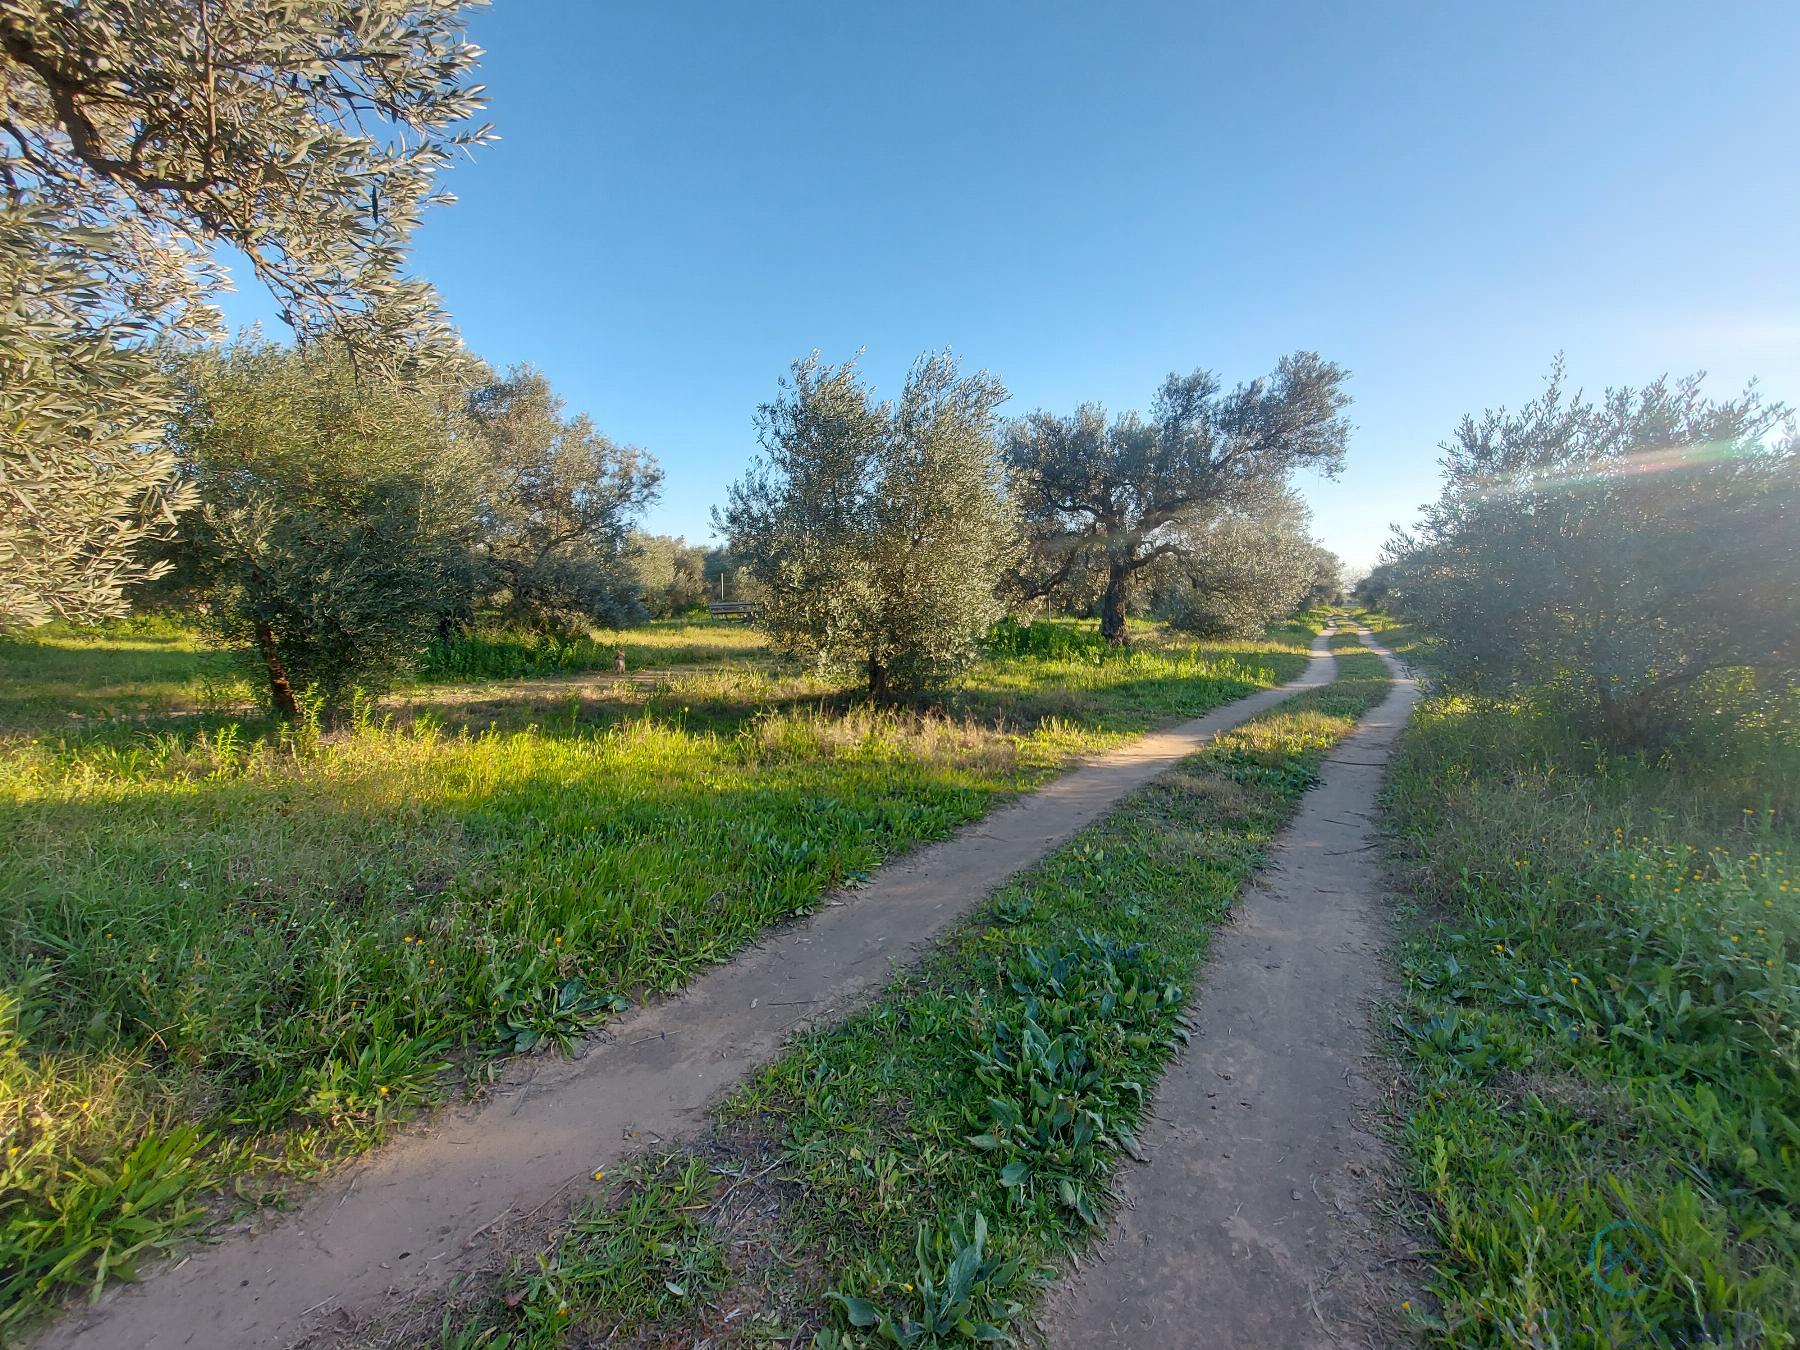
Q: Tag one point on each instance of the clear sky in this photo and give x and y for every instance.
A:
(1084, 197)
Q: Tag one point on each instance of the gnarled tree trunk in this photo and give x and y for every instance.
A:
(1112, 605)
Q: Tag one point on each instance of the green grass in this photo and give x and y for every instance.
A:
(157, 674)
(913, 1175)
(1109, 691)
(233, 957)
(1601, 1026)
(155, 669)
(640, 1257)
(502, 654)
(61, 675)
(1399, 637)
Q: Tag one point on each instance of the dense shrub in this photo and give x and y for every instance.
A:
(1618, 552)
(1046, 640)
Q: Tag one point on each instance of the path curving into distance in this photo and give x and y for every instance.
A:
(406, 1217)
(1250, 1224)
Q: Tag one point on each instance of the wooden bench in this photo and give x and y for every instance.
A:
(733, 609)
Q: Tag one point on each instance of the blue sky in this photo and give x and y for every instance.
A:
(1082, 198)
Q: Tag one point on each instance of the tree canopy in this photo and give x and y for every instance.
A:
(1112, 497)
(309, 137)
(1619, 550)
(1235, 571)
(84, 479)
(878, 532)
(558, 503)
(136, 136)
(337, 514)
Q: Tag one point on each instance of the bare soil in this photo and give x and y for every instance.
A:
(408, 1218)
(1255, 1220)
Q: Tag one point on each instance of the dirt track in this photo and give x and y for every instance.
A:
(1249, 1226)
(405, 1219)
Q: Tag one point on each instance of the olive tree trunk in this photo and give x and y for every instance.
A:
(281, 689)
(1112, 605)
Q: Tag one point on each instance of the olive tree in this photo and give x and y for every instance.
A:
(1375, 590)
(85, 481)
(878, 532)
(1110, 498)
(670, 573)
(1617, 550)
(1325, 584)
(136, 136)
(337, 514)
(1236, 571)
(558, 503)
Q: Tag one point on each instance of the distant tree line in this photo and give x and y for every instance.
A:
(675, 577)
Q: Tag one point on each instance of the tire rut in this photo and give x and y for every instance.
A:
(1252, 1223)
